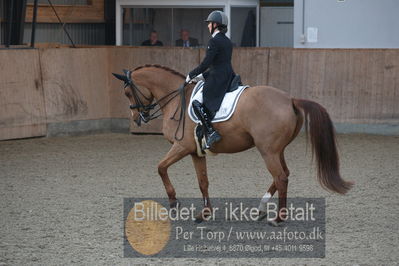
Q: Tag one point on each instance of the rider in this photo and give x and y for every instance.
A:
(217, 78)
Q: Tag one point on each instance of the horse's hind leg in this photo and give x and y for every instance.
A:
(176, 153)
(284, 164)
(262, 205)
(272, 189)
(280, 181)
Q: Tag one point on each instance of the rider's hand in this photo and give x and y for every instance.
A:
(188, 79)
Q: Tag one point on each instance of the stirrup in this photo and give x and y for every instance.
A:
(216, 138)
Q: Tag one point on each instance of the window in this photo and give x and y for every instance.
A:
(243, 26)
(168, 22)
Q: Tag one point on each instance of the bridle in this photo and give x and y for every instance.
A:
(144, 109)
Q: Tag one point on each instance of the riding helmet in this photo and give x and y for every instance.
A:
(218, 17)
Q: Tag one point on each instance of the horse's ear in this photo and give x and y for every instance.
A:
(121, 77)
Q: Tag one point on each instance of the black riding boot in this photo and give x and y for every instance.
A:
(211, 135)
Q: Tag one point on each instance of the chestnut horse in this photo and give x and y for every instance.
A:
(265, 117)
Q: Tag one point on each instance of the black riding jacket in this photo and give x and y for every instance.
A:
(217, 71)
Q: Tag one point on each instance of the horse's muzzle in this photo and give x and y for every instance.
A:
(138, 121)
(145, 116)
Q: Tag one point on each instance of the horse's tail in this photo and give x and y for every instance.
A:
(322, 136)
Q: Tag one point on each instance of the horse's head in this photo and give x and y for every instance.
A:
(140, 98)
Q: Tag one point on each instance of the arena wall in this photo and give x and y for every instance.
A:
(22, 106)
(62, 91)
(355, 86)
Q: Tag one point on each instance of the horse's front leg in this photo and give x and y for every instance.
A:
(202, 176)
(176, 153)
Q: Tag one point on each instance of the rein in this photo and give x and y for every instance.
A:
(144, 113)
(182, 117)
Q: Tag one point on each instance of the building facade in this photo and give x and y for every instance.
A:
(266, 23)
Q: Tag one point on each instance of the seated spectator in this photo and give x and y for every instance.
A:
(153, 41)
(185, 40)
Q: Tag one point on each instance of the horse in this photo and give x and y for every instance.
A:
(265, 117)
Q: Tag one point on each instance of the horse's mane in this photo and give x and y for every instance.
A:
(161, 67)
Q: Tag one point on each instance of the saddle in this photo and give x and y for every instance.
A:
(224, 113)
(235, 83)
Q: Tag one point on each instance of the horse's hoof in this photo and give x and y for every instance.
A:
(198, 220)
(262, 215)
(273, 223)
(204, 215)
(174, 206)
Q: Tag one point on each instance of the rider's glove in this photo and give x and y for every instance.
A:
(188, 79)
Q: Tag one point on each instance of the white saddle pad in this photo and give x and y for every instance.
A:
(226, 109)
